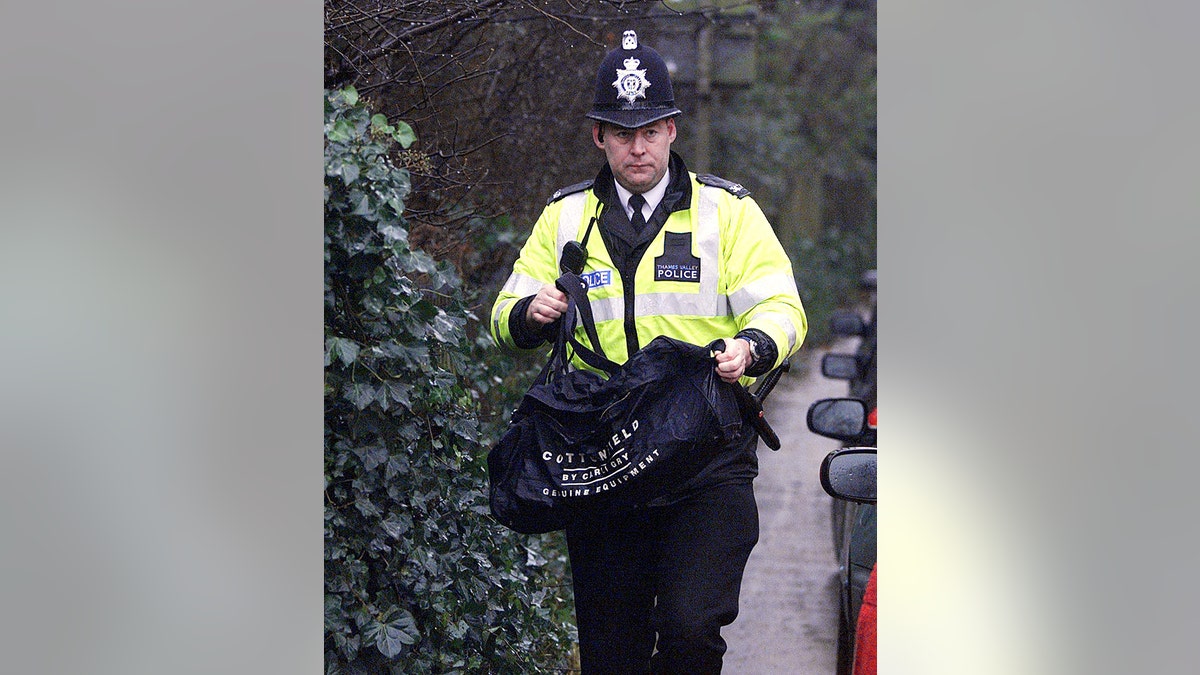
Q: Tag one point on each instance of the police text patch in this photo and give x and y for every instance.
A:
(677, 262)
(597, 278)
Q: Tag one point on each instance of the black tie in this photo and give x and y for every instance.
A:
(636, 202)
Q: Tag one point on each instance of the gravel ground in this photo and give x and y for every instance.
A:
(787, 623)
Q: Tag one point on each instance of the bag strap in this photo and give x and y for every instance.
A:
(576, 289)
(579, 310)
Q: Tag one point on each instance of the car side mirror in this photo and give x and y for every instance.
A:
(840, 366)
(846, 322)
(842, 418)
(850, 474)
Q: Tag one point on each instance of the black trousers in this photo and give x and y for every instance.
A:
(663, 578)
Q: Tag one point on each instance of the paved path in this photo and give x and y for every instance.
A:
(787, 624)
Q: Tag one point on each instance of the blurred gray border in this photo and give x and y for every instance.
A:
(1038, 201)
(160, 282)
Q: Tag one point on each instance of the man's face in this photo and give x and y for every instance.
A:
(638, 157)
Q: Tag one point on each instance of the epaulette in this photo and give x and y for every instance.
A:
(570, 189)
(729, 186)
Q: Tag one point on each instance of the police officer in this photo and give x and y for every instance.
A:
(666, 252)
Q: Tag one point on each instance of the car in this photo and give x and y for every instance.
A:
(858, 368)
(849, 474)
(852, 421)
(848, 420)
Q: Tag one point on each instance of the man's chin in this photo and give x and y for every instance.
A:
(639, 183)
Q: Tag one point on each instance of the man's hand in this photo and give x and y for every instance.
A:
(732, 362)
(547, 305)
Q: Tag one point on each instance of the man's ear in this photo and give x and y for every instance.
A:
(598, 135)
(671, 129)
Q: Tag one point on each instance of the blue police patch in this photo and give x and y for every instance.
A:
(597, 278)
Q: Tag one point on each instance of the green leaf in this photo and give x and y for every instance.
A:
(393, 233)
(342, 130)
(391, 637)
(396, 525)
(361, 395)
(399, 392)
(404, 134)
(380, 121)
(372, 457)
(362, 203)
(343, 349)
(350, 94)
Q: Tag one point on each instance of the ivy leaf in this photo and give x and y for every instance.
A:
(404, 134)
(394, 233)
(372, 456)
(343, 130)
(391, 637)
(379, 121)
(397, 525)
(399, 392)
(343, 349)
(361, 395)
(350, 94)
(366, 507)
(362, 202)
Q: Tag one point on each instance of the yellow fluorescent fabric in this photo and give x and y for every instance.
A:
(745, 277)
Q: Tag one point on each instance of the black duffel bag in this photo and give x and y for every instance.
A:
(581, 441)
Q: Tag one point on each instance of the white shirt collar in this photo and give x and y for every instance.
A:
(653, 196)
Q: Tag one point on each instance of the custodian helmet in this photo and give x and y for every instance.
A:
(633, 87)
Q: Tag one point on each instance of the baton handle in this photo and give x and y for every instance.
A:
(766, 433)
(751, 404)
(771, 380)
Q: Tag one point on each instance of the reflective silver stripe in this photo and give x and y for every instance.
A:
(499, 312)
(708, 245)
(521, 285)
(706, 301)
(569, 222)
(608, 309)
(681, 304)
(746, 297)
(783, 322)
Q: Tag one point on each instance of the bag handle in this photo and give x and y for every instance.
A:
(751, 404)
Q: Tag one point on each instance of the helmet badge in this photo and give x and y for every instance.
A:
(631, 83)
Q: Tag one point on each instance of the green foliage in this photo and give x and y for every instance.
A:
(418, 577)
(830, 277)
(815, 100)
(809, 123)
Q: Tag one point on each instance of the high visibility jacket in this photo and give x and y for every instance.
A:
(711, 269)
